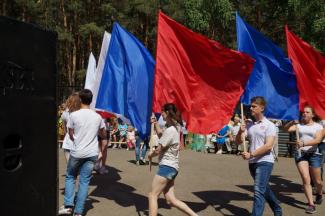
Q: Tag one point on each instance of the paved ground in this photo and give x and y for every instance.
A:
(210, 184)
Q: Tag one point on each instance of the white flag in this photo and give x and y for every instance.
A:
(100, 67)
(91, 70)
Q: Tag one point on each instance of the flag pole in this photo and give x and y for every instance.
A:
(298, 139)
(242, 120)
(151, 142)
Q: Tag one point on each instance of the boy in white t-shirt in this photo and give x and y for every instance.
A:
(84, 126)
(261, 134)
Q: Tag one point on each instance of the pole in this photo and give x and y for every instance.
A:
(242, 121)
(298, 139)
(151, 142)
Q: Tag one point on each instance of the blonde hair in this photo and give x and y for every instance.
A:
(73, 103)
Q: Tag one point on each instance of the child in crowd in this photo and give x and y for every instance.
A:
(130, 137)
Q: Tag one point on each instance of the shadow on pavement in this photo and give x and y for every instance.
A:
(220, 200)
(283, 190)
(147, 163)
(122, 194)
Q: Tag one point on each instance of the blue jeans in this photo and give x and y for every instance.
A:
(261, 173)
(321, 148)
(83, 166)
(314, 159)
(167, 172)
(138, 152)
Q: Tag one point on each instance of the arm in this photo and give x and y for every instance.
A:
(227, 134)
(158, 129)
(156, 152)
(71, 132)
(290, 126)
(318, 139)
(262, 150)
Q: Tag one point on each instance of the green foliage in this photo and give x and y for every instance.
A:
(80, 24)
(90, 29)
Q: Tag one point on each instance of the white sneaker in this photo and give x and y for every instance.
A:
(65, 211)
(219, 152)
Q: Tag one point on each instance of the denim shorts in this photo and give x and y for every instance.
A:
(167, 172)
(314, 159)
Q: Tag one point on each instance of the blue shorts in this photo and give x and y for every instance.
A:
(314, 159)
(167, 172)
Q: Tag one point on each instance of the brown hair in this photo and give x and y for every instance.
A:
(315, 118)
(73, 102)
(173, 113)
(259, 100)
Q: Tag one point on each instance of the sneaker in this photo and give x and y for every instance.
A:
(319, 199)
(144, 161)
(77, 215)
(311, 209)
(219, 152)
(137, 163)
(103, 170)
(65, 211)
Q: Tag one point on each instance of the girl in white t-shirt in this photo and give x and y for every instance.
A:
(72, 104)
(307, 157)
(168, 152)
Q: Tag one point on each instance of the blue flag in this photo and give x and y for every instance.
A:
(272, 77)
(126, 87)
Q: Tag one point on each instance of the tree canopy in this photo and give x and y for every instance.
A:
(80, 24)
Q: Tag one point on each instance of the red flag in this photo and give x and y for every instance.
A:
(309, 67)
(203, 78)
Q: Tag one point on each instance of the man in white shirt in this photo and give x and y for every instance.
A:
(261, 135)
(84, 126)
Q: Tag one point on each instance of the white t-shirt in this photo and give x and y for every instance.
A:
(308, 132)
(86, 124)
(170, 141)
(257, 133)
(322, 122)
(67, 142)
(234, 129)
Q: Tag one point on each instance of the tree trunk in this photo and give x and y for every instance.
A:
(4, 9)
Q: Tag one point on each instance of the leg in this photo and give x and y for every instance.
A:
(273, 201)
(85, 175)
(229, 149)
(137, 149)
(144, 151)
(158, 185)
(104, 152)
(316, 176)
(71, 175)
(173, 201)
(303, 168)
(261, 173)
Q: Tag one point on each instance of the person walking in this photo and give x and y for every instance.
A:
(168, 152)
(84, 126)
(308, 158)
(261, 134)
(72, 104)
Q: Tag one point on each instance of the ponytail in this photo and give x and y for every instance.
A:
(173, 113)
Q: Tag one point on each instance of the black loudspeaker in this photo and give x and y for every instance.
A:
(28, 146)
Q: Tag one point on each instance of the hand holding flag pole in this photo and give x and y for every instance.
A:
(242, 121)
(151, 142)
(298, 140)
